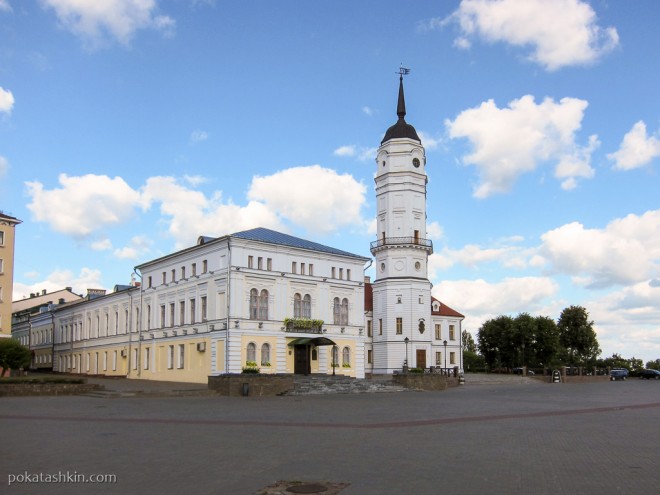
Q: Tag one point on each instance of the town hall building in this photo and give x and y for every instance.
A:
(268, 300)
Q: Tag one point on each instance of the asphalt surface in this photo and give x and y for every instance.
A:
(513, 436)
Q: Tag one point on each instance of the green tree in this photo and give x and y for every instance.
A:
(494, 341)
(468, 342)
(546, 342)
(13, 355)
(653, 365)
(473, 362)
(577, 335)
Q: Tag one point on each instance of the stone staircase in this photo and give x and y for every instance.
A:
(326, 384)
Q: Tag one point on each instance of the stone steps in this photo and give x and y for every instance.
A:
(323, 385)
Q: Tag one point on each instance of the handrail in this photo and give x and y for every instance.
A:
(397, 241)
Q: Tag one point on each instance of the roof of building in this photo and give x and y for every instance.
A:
(4, 216)
(273, 237)
(401, 129)
(445, 310)
(35, 301)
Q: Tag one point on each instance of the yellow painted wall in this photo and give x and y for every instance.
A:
(259, 341)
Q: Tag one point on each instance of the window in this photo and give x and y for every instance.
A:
(333, 272)
(344, 311)
(194, 269)
(341, 274)
(335, 356)
(302, 268)
(260, 263)
(182, 312)
(336, 311)
(380, 326)
(269, 264)
(438, 332)
(421, 299)
(311, 270)
(258, 304)
(307, 306)
(1, 265)
(150, 282)
(148, 317)
(164, 278)
(173, 275)
(251, 353)
(294, 267)
(348, 274)
(170, 357)
(193, 311)
(250, 261)
(171, 314)
(346, 357)
(182, 356)
(147, 357)
(205, 266)
(452, 358)
(370, 356)
(369, 329)
(135, 358)
(297, 305)
(183, 272)
(438, 359)
(203, 308)
(452, 332)
(399, 326)
(2, 238)
(265, 355)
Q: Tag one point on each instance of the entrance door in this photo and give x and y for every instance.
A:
(421, 358)
(301, 360)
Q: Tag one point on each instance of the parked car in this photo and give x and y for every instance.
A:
(618, 374)
(519, 371)
(649, 374)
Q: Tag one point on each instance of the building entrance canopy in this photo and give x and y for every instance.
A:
(317, 341)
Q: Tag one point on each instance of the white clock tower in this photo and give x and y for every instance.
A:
(402, 329)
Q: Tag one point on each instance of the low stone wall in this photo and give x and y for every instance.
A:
(39, 389)
(257, 385)
(425, 381)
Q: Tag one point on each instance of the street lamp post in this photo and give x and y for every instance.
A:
(406, 340)
(334, 359)
(444, 342)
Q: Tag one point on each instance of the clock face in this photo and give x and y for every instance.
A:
(416, 162)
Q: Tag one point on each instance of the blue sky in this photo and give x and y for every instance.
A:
(130, 127)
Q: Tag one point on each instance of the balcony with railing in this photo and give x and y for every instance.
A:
(303, 325)
(418, 242)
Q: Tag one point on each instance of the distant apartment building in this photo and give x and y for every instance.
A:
(7, 241)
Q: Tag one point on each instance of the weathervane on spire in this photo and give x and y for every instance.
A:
(403, 71)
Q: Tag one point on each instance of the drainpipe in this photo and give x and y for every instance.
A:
(228, 306)
(139, 325)
(130, 335)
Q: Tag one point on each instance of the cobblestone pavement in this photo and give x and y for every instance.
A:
(599, 438)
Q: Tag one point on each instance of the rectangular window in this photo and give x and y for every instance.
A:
(369, 329)
(164, 278)
(294, 267)
(438, 332)
(171, 314)
(333, 272)
(193, 311)
(260, 263)
(302, 268)
(150, 282)
(370, 356)
(380, 326)
(173, 275)
(452, 332)
(2, 238)
(205, 266)
(162, 316)
(147, 357)
(170, 357)
(194, 269)
(203, 308)
(114, 361)
(269, 264)
(182, 355)
(135, 358)
(183, 272)
(348, 274)
(311, 270)
(438, 359)
(452, 358)
(105, 361)
(182, 312)
(399, 326)
(250, 261)
(341, 274)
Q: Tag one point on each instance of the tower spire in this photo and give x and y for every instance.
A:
(401, 129)
(401, 104)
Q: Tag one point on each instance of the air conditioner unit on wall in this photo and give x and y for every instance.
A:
(201, 346)
(123, 353)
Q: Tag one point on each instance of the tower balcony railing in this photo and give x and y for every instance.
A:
(402, 242)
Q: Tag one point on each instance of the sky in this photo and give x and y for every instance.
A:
(128, 128)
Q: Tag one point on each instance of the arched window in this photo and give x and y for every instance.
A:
(344, 311)
(254, 304)
(297, 306)
(265, 354)
(335, 356)
(263, 305)
(346, 357)
(307, 306)
(251, 354)
(336, 311)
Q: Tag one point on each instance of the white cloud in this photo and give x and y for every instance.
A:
(626, 251)
(434, 231)
(138, 246)
(508, 142)
(347, 150)
(198, 136)
(428, 141)
(560, 32)
(5, 6)
(637, 148)
(6, 100)
(362, 153)
(195, 180)
(101, 245)
(4, 166)
(367, 111)
(88, 278)
(317, 198)
(84, 204)
(94, 22)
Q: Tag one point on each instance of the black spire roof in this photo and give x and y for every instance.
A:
(401, 129)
